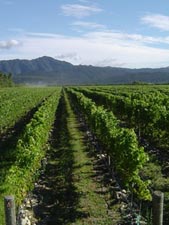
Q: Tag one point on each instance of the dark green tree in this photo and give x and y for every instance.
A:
(6, 80)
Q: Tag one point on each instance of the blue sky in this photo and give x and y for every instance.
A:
(123, 33)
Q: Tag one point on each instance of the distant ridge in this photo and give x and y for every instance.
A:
(47, 70)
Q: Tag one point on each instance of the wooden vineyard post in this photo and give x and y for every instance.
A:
(10, 216)
(158, 202)
(109, 164)
(109, 161)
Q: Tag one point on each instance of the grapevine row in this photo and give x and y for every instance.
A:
(30, 149)
(149, 115)
(120, 143)
(15, 103)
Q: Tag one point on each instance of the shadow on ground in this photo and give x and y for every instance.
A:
(58, 197)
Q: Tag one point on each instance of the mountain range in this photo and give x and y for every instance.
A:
(47, 70)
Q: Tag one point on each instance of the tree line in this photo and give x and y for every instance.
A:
(6, 80)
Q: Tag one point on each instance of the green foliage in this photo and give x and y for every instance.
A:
(30, 149)
(120, 143)
(6, 80)
(146, 109)
(152, 171)
(16, 102)
(139, 83)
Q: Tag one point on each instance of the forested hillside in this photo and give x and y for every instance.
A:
(47, 70)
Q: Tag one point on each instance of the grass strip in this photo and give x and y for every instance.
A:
(91, 203)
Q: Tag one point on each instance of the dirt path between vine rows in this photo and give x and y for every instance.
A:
(69, 191)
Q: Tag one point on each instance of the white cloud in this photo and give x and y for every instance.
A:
(108, 48)
(68, 56)
(79, 11)
(110, 62)
(43, 35)
(157, 20)
(9, 44)
(88, 25)
(16, 30)
(126, 39)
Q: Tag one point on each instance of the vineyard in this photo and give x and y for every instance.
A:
(84, 155)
